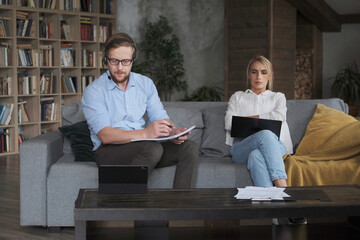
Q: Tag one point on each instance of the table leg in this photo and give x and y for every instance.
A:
(285, 232)
(80, 230)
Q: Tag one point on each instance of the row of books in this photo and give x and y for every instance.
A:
(47, 83)
(4, 140)
(49, 4)
(23, 24)
(4, 26)
(5, 2)
(46, 29)
(5, 113)
(88, 58)
(25, 3)
(35, 57)
(70, 5)
(105, 31)
(67, 55)
(46, 57)
(85, 81)
(86, 5)
(23, 115)
(26, 57)
(26, 84)
(5, 85)
(87, 29)
(48, 109)
(5, 54)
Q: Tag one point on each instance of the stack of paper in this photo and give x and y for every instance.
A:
(270, 193)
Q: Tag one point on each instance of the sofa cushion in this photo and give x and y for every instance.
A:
(81, 144)
(187, 117)
(213, 139)
(299, 113)
(72, 113)
(325, 124)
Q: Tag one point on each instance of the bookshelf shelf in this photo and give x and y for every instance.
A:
(33, 79)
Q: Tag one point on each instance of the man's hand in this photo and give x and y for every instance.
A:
(160, 128)
(180, 139)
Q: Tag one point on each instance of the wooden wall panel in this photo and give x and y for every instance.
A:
(246, 35)
(260, 27)
(283, 52)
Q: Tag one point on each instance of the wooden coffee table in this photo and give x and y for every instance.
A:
(212, 204)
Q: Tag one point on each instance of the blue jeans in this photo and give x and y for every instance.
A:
(262, 152)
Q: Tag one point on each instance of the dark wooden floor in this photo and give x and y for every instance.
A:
(10, 228)
(10, 207)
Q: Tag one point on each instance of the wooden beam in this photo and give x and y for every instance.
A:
(350, 18)
(319, 13)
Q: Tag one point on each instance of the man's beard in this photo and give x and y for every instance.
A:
(124, 79)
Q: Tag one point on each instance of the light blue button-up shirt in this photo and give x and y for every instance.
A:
(105, 104)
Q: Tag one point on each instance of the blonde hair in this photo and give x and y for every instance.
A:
(268, 67)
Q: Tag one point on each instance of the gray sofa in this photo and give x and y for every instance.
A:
(50, 178)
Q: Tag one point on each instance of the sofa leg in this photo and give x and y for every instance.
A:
(54, 229)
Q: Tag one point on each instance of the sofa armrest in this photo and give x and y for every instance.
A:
(36, 157)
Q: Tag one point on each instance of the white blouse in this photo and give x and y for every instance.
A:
(268, 105)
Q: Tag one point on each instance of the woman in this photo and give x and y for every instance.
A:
(261, 151)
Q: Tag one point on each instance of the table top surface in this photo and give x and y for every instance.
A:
(219, 198)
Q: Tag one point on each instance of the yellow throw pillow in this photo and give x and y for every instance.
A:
(324, 123)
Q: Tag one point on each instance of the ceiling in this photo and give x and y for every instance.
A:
(344, 6)
(329, 15)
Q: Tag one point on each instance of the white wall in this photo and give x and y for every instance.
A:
(339, 50)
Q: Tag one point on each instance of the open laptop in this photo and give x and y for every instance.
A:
(123, 179)
(243, 127)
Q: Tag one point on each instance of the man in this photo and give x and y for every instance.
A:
(114, 106)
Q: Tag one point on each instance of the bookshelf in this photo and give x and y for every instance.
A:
(50, 50)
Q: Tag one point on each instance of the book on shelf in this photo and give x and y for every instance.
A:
(105, 31)
(26, 84)
(27, 55)
(26, 3)
(88, 58)
(6, 116)
(4, 30)
(46, 55)
(48, 109)
(5, 54)
(23, 115)
(65, 30)
(69, 84)
(4, 140)
(86, 29)
(5, 2)
(23, 24)
(67, 55)
(47, 83)
(21, 137)
(5, 85)
(86, 81)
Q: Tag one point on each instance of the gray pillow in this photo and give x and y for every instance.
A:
(213, 139)
(72, 113)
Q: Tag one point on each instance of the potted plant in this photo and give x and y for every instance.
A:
(206, 94)
(163, 60)
(347, 87)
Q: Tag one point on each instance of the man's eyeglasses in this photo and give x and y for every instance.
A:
(124, 62)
